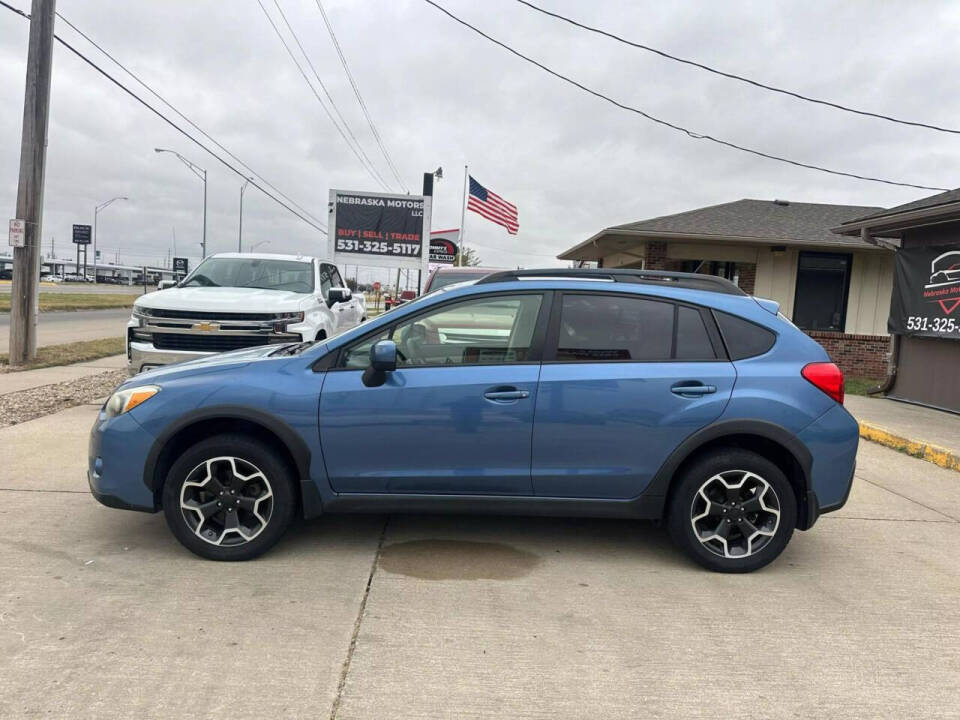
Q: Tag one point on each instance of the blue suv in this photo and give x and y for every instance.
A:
(610, 393)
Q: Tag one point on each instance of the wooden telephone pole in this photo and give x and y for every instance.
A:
(33, 156)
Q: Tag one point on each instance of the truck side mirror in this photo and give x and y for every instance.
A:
(337, 295)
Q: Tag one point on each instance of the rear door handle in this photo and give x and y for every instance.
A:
(691, 390)
(506, 394)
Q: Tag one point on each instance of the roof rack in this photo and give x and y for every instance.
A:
(689, 281)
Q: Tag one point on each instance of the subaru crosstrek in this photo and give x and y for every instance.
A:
(607, 393)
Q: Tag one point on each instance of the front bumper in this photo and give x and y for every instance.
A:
(144, 356)
(116, 454)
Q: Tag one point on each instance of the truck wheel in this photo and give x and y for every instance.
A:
(229, 497)
(732, 511)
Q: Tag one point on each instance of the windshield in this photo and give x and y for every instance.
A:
(442, 279)
(288, 275)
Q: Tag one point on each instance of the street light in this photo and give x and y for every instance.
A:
(96, 211)
(240, 234)
(202, 174)
(256, 245)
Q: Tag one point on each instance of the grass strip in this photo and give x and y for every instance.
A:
(69, 353)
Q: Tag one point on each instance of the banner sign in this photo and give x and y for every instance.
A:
(81, 234)
(443, 246)
(926, 292)
(378, 224)
(181, 265)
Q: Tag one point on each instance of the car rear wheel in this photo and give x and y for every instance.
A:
(229, 497)
(732, 511)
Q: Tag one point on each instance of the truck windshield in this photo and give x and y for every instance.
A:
(288, 275)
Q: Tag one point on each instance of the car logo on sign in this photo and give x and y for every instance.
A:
(206, 326)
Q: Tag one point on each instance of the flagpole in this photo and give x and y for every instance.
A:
(463, 211)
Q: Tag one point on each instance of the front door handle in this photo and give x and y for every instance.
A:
(692, 390)
(506, 394)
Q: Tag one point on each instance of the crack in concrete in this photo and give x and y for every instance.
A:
(344, 671)
(908, 499)
(854, 517)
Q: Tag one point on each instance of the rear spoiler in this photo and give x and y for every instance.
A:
(771, 306)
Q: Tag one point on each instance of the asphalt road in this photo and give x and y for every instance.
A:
(102, 613)
(54, 328)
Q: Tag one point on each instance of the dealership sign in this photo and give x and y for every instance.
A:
(386, 230)
(443, 246)
(181, 265)
(926, 292)
(81, 235)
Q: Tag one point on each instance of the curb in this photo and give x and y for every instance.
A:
(917, 448)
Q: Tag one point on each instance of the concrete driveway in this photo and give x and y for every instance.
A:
(102, 614)
(54, 328)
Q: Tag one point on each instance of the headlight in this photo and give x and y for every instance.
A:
(140, 315)
(125, 400)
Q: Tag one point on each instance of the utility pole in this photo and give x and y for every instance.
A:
(33, 157)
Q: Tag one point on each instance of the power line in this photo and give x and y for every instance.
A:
(163, 100)
(326, 92)
(359, 154)
(318, 226)
(356, 91)
(672, 126)
(733, 76)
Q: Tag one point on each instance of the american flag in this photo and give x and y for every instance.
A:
(493, 207)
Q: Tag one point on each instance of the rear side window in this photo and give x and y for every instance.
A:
(597, 328)
(742, 338)
(693, 342)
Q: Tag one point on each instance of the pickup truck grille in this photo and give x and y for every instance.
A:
(204, 315)
(207, 343)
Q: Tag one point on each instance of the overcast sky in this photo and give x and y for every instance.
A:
(442, 96)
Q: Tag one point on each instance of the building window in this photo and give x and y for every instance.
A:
(823, 282)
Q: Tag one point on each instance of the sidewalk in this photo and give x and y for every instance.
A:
(933, 435)
(11, 382)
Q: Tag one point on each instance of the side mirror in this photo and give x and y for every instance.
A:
(164, 284)
(383, 359)
(337, 295)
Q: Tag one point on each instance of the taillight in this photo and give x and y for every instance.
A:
(827, 377)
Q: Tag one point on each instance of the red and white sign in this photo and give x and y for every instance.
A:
(376, 286)
(18, 233)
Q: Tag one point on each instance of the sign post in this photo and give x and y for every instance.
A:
(181, 266)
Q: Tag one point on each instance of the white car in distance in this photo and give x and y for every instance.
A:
(233, 301)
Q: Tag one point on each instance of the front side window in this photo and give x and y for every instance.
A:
(485, 331)
(286, 275)
(823, 280)
(598, 328)
(326, 280)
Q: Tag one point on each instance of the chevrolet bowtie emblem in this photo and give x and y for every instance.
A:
(206, 326)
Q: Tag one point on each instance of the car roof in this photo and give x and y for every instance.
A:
(264, 256)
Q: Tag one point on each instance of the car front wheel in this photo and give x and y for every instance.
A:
(732, 511)
(229, 497)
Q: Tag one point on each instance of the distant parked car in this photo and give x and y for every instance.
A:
(612, 393)
(6, 274)
(443, 276)
(51, 278)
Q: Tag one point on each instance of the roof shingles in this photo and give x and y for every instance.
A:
(762, 219)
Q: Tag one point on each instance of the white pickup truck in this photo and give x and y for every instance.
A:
(240, 300)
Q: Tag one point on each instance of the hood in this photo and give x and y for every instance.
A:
(222, 299)
(203, 365)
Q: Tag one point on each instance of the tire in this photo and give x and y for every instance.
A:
(732, 511)
(229, 497)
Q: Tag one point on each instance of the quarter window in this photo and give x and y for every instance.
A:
(597, 328)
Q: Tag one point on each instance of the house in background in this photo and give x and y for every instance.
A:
(925, 313)
(835, 287)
